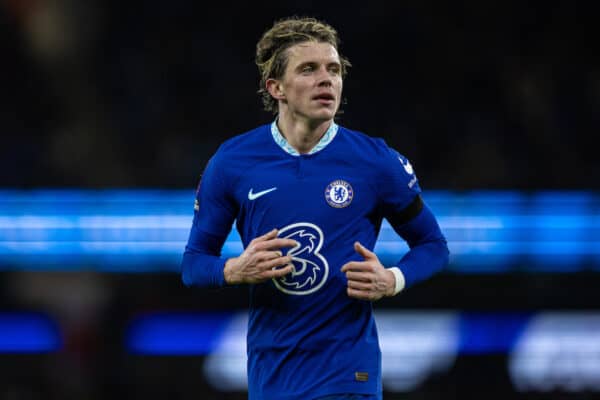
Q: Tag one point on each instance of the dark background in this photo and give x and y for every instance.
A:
(477, 95)
(132, 94)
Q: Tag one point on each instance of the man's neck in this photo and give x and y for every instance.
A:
(301, 134)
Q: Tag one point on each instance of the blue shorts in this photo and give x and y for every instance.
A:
(349, 396)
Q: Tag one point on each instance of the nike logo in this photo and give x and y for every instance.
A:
(407, 167)
(254, 196)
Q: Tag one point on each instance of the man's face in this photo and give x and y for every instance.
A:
(312, 81)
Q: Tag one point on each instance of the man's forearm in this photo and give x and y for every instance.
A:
(200, 269)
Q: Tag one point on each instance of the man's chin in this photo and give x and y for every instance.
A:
(324, 115)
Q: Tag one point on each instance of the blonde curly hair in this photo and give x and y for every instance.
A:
(271, 55)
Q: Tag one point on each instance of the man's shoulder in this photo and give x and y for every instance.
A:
(246, 141)
(235, 154)
(374, 151)
(368, 145)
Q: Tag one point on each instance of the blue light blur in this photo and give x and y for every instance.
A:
(485, 333)
(146, 230)
(176, 333)
(204, 333)
(24, 332)
(545, 350)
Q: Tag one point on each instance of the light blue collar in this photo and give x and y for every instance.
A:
(325, 140)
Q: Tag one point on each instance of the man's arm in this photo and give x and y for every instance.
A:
(258, 261)
(401, 204)
(428, 254)
(214, 213)
(203, 266)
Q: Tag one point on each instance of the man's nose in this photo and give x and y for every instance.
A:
(324, 77)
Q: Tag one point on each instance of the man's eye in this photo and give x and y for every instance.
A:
(307, 68)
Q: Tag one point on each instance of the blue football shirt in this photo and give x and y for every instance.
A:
(306, 337)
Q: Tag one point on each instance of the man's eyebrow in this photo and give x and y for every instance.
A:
(306, 63)
(310, 62)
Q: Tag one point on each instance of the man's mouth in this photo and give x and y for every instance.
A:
(324, 98)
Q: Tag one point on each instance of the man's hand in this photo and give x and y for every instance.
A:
(256, 263)
(368, 280)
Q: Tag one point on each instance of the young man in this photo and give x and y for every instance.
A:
(308, 197)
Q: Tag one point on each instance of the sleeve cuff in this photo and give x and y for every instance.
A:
(400, 281)
(218, 272)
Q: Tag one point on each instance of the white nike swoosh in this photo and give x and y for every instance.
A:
(254, 196)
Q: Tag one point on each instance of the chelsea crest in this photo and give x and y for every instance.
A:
(339, 194)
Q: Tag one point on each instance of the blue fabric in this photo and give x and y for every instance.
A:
(428, 248)
(350, 397)
(306, 337)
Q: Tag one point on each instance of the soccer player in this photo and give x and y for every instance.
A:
(308, 197)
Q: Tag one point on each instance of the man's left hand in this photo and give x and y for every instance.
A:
(368, 279)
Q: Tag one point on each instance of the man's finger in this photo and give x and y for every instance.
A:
(259, 239)
(274, 263)
(269, 255)
(276, 244)
(356, 266)
(277, 273)
(363, 251)
(359, 276)
(359, 285)
(358, 294)
(269, 235)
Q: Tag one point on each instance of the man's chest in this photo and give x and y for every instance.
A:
(302, 190)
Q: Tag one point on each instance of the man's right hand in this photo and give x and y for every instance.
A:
(256, 263)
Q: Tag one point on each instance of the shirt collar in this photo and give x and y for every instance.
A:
(283, 143)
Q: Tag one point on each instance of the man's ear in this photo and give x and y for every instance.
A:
(275, 89)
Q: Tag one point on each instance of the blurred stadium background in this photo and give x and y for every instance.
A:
(109, 111)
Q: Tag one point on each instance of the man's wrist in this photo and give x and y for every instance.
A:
(227, 275)
(400, 282)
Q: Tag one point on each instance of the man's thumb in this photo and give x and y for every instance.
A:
(363, 251)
